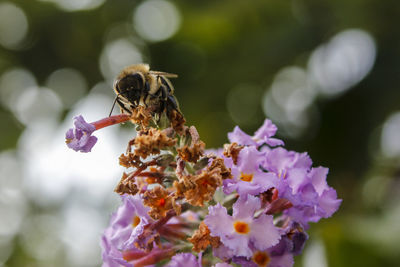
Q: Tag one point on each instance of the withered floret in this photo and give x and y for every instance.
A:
(141, 116)
(232, 151)
(130, 160)
(151, 142)
(191, 153)
(160, 202)
(201, 238)
(218, 163)
(199, 188)
(126, 186)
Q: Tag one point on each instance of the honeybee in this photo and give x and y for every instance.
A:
(138, 85)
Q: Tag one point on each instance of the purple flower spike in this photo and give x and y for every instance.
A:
(241, 230)
(80, 138)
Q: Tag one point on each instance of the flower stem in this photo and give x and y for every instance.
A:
(115, 119)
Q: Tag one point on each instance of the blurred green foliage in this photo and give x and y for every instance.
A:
(222, 44)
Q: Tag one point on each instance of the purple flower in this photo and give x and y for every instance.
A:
(265, 259)
(311, 196)
(222, 264)
(241, 230)
(262, 136)
(248, 178)
(80, 138)
(280, 161)
(223, 252)
(112, 257)
(305, 187)
(185, 260)
(279, 255)
(297, 237)
(125, 225)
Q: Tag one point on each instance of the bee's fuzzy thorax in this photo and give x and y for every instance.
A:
(141, 68)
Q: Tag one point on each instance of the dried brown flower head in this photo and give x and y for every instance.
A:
(126, 186)
(185, 183)
(204, 187)
(141, 115)
(218, 163)
(160, 201)
(192, 153)
(130, 160)
(232, 151)
(201, 238)
(152, 141)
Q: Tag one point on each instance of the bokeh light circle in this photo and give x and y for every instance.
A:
(37, 104)
(156, 20)
(13, 83)
(343, 62)
(116, 55)
(76, 5)
(13, 25)
(390, 141)
(69, 84)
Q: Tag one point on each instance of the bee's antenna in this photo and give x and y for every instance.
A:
(112, 108)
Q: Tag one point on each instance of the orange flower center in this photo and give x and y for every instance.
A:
(261, 258)
(161, 202)
(241, 227)
(151, 180)
(135, 221)
(205, 182)
(247, 177)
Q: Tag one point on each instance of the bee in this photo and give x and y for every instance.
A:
(138, 85)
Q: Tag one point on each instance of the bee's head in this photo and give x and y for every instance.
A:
(130, 84)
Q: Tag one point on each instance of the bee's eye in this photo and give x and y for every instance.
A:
(129, 83)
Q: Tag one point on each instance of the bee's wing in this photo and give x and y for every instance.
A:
(165, 74)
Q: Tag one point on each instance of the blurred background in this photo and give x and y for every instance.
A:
(326, 72)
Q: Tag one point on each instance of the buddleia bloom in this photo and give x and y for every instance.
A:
(249, 203)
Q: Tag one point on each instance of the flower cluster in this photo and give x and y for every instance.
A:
(248, 204)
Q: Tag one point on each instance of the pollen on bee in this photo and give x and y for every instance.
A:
(247, 177)
(241, 227)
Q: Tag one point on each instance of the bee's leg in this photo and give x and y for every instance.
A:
(162, 107)
(162, 95)
(172, 104)
(146, 91)
(164, 92)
